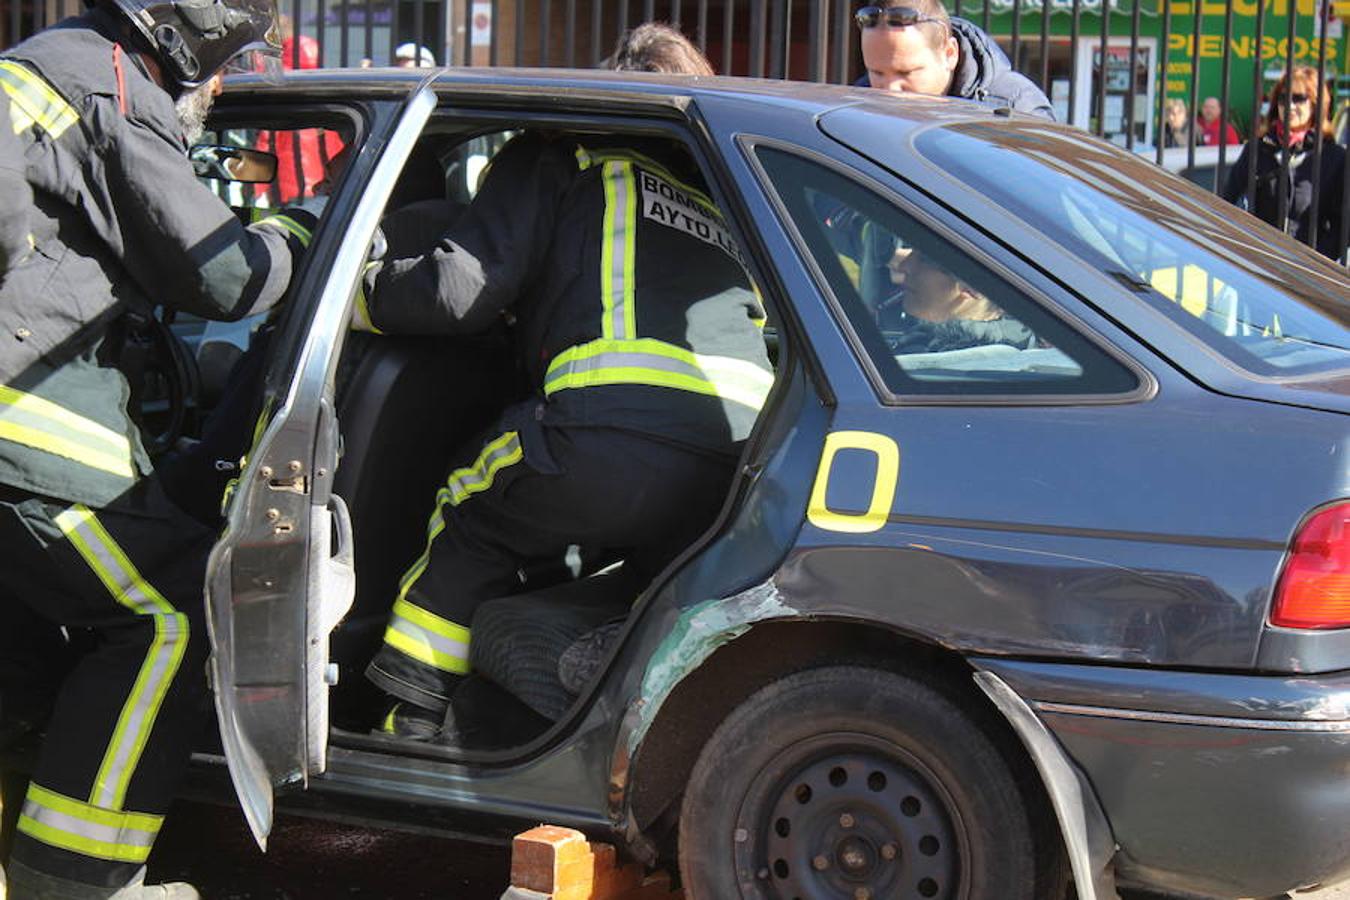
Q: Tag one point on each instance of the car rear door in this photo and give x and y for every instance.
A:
(281, 576)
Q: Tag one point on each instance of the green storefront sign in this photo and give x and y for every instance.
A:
(1194, 28)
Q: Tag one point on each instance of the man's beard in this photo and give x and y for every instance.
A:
(193, 106)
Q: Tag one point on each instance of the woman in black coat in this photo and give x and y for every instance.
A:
(1294, 133)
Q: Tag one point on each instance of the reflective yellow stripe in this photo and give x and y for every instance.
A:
(87, 829)
(428, 638)
(618, 253)
(655, 363)
(130, 589)
(459, 486)
(632, 156)
(34, 101)
(424, 653)
(34, 422)
(288, 224)
(361, 320)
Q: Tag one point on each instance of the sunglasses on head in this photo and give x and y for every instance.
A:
(893, 16)
(1294, 98)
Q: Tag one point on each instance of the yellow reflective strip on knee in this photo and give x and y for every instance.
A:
(419, 651)
(474, 479)
(430, 621)
(139, 713)
(31, 94)
(112, 566)
(434, 527)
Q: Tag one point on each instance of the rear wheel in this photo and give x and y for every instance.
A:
(849, 782)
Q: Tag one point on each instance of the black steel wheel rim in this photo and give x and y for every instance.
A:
(845, 815)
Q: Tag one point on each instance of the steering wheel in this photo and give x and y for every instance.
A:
(164, 379)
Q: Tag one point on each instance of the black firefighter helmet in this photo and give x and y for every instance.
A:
(194, 39)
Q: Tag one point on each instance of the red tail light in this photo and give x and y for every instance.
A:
(1314, 588)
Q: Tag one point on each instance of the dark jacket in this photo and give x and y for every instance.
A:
(119, 221)
(632, 306)
(984, 73)
(1299, 189)
(16, 197)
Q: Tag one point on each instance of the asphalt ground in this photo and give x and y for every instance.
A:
(311, 860)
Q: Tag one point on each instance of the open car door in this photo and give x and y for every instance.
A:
(281, 576)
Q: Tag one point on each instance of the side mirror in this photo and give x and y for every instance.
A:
(233, 163)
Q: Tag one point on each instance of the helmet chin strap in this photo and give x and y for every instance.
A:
(174, 51)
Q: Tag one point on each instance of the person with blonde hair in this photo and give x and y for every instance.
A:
(1298, 120)
(1177, 128)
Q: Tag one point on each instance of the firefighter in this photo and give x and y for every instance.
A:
(636, 326)
(103, 105)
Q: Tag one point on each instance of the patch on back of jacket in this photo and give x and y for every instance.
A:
(678, 208)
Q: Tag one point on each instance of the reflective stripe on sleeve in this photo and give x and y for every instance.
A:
(428, 638)
(618, 253)
(286, 223)
(34, 101)
(117, 573)
(89, 830)
(655, 363)
(43, 425)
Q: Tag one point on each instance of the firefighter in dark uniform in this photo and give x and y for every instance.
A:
(636, 326)
(90, 541)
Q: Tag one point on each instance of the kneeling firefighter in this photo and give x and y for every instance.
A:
(636, 326)
(103, 105)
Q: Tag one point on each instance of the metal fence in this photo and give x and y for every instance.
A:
(1113, 67)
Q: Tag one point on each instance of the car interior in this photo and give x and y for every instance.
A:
(529, 668)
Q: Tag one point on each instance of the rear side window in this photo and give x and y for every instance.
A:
(1269, 306)
(933, 320)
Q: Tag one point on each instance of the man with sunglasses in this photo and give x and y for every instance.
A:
(919, 49)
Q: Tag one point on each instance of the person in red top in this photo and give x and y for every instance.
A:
(302, 156)
(1211, 117)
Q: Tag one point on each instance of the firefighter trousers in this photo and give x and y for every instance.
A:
(129, 579)
(520, 499)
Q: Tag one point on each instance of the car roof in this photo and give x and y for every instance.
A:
(598, 86)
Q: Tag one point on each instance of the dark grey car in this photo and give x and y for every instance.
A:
(1048, 577)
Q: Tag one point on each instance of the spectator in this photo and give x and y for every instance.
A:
(654, 47)
(1298, 119)
(1211, 117)
(301, 155)
(1177, 128)
(412, 56)
(919, 48)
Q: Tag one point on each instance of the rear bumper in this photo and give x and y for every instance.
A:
(1218, 785)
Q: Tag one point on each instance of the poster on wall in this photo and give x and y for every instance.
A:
(481, 35)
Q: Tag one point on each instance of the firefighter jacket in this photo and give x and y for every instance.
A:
(119, 222)
(631, 300)
(15, 195)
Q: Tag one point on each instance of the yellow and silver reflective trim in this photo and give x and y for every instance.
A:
(655, 363)
(89, 830)
(462, 484)
(34, 101)
(286, 223)
(117, 573)
(588, 158)
(618, 253)
(428, 638)
(361, 320)
(43, 425)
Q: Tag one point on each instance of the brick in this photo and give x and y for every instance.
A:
(541, 855)
(551, 863)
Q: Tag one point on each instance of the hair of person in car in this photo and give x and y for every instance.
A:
(1306, 81)
(657, 47)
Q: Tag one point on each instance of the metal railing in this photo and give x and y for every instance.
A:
(1113, 67)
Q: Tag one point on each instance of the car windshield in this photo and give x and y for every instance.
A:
(1272, 307)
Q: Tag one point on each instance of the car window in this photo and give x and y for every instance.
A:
(933, 319)
(308, 160)
(1271, 307)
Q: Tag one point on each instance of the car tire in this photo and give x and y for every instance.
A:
(854, 782)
